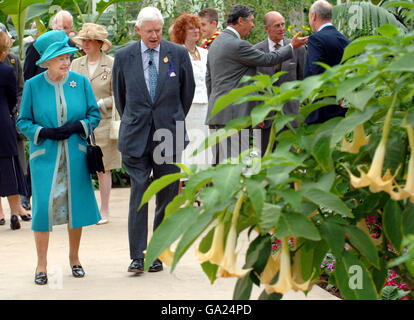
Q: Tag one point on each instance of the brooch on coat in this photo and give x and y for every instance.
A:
(72, 84)
(106, 73)
(171, 71)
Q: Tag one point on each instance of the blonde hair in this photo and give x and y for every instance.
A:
(5, 41)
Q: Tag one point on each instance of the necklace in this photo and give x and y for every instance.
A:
(194, 54)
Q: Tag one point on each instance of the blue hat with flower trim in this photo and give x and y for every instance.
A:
(52, 44)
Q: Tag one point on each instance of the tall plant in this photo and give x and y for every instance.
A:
(318, 186)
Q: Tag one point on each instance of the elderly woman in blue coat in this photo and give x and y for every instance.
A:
(56, 109)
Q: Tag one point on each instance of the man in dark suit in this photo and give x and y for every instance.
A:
(229, 59)
(63, 20)
(325, 45)
(274, 25)
(153, 87)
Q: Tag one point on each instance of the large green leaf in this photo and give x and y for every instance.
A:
(408, 219)
(258, 253)
(196, 182)
(403, 63)
(328, 201)
(359, 45)
(296, 225)
(243, 288)
(269, 217)
(257, 194)
(360, 98)
(226, 180)
(191, 234)
(392, 221)
(169, 231)
(334, 236)
(363, 243)
(349, 273)
(158, 185)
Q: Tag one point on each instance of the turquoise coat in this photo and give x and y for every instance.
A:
(39, 109)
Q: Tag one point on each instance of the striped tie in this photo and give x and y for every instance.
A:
(153, 76)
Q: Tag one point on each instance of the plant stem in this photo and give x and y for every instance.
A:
(237, 208)
(272, 139)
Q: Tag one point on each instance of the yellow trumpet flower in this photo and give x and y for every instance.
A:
(285, 282)
(228, 266)
(373, 178)
(360, 139)
(215, 253)
(271, 268)
(167, 256)
(298, 282)
(408, 190)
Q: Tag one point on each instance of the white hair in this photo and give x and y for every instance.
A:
(58, 18)
(322, 9)
(149, 14)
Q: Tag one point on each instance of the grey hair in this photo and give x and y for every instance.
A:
(322, 9)
(59, 17)
(149, 14)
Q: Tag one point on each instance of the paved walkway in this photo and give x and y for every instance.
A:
(104, 255)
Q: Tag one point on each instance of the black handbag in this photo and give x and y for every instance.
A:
(94, 154)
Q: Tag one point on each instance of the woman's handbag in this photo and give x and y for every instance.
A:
(115, 123)
(94, 155)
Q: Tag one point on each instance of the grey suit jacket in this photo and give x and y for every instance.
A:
(294, 68)
(173, 97)
(229, 59)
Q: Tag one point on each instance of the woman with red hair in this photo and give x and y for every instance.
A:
(186, 31)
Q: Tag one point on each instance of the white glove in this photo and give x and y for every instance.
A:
(101, 105)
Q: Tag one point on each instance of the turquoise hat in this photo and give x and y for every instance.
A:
(52, 44)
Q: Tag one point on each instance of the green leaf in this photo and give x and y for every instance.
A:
(273, 296)
(349, 123)
(230, 98)
(175, 204)
(243, 288)
(403, 63)
(256, 193)
(296, 225)
(209, 269)
(169, 231)
(158, 185)
(408, 219)
(269, 217)
(292, 197)
(380, 275)
(392, 222)
(352, 83)
(350, 273)
(388, 30)
(328, 201)
(360, 98)
(191, 234)
(308, 85)
(259, 113)
(358, 46)
(197, 182)
(363, 243)
(334, 236)
(227, 180)
(307, 109)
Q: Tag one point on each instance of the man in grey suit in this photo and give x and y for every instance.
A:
(153, 87)
(274, 25)
(229, 59)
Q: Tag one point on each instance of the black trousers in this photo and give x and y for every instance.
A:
(140, 169)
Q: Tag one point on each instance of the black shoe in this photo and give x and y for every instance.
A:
(26, 217)
(136, 266)
(2, 222)
(25, 202)
(14, 223)
(40, 278)
(77, 271)
(156, 266)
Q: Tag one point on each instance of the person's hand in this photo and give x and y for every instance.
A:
(298, 41)
(71, 128)
(53, 134)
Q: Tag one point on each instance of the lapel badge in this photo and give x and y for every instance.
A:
(72, 84)
(104, 76)
(12, 61)
(165, 59)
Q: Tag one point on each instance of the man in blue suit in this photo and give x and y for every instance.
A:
(325, 45)
(154, 87)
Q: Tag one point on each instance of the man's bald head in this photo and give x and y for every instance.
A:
(274, 25)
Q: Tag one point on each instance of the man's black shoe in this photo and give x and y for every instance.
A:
(156, 266)
(136, 266)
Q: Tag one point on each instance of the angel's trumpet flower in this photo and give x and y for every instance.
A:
(360, 139)
(167, 256)
(298, 282)
(408, 190)
(271, 268)
(215, 253)
(284, 282)
(373, 178)
(228, 266)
